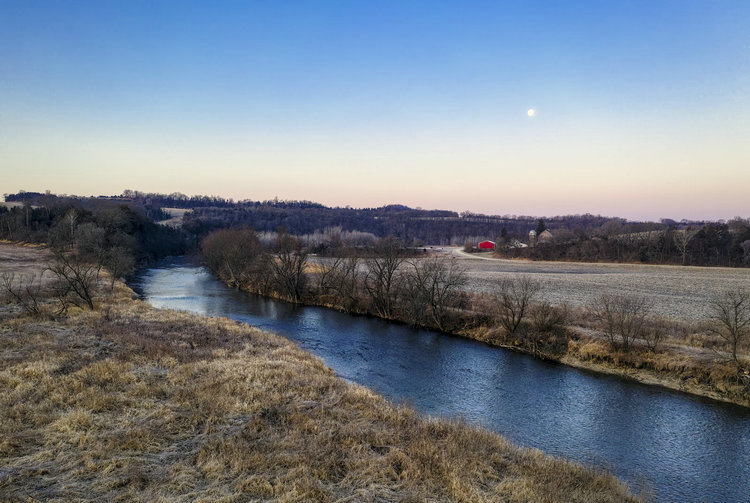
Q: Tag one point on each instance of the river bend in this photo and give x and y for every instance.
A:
(679, 447)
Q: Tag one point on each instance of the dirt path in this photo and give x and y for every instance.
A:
(458, 252)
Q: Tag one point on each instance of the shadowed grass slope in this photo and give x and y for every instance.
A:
(132, 403)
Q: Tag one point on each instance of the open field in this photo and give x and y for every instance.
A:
(127, 402)
(176, 215)
(677, 292)
(22, 259)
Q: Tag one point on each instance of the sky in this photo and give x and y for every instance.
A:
(641, 108)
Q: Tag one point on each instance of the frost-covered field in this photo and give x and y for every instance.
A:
(677, 292)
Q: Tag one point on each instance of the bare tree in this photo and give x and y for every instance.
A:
(120, 263)
(513, 300)
(74, 276)
(413, 300)
(236, 256)
(682, 240)
(60, 288)
(730, 318)
(437, 282)
(332, 238)
(62, 234)
(288, 266)
(622, 318)
(341, 279)
(26, 291)
(381, 278)
(91, 242)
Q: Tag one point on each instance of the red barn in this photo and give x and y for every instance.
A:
(487, 245)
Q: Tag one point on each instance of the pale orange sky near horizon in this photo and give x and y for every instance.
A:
(475, 172)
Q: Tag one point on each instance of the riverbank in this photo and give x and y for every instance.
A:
(716, 379)
(128, 402)
(686, 369)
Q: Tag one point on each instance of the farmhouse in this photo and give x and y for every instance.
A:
(487, 245)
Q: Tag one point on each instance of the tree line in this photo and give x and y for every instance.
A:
(389, 281)
(711, 244)
(91, 223)
(575, 237)
(88, 238)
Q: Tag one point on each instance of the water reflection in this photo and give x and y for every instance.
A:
(686, 448)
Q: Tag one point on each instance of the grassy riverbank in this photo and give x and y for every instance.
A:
(675, 368)
(705, 373)
(127, 402)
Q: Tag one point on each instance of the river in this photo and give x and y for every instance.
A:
(678, 447)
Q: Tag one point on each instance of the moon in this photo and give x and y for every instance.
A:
(531, 112)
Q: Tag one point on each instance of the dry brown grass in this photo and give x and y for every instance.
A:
(716, 377)
(132, 403)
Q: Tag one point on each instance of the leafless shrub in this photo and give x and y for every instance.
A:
(546, 318)
(27, 291)
(60, 289)
(76, 280)
(513, 301)
(341, 279)
(622, 318)
(730, 319)
(327, 271)
(120, 263)
(653, 336)
(436, 282)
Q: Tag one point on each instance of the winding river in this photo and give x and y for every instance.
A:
(677, 447)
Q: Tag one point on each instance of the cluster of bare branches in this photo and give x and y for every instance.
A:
(434, 287)
(513, 301)
(26, 291)
(384, 283)
(239, 258)
(730, 319)
(622, 318)
(341, 280)
(74, 281)
(546, 318)
(288, 267)
(381, 280)
(524, 317)
(236, 256)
